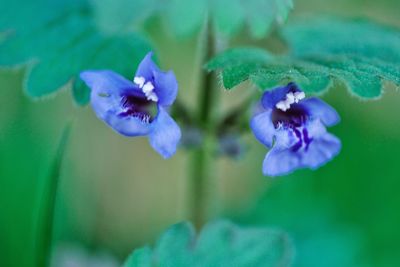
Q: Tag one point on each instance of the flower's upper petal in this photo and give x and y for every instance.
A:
(271, 98)
(318, 109)
(166, 87)
(106, 89)
(263, 128)
(106, 82)
(165, 134)
(147, 67)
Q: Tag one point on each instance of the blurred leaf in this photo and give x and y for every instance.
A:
(238, 56)
(80, 92)
(220, 243)
(227, 20)
(260, 15)
(185, 17)
(25, 15)
(140, 258)
(47, 204)
(257, 15)
(361, 54)
(59, 48)
(121, 15)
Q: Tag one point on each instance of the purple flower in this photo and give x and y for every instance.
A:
(138, 107)
(294, 129)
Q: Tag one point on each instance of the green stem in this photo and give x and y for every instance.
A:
(201, 162)
(47, 204)
(200, 177)
(207, 92)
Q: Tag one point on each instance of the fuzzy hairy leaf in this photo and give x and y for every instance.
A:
(63, 44)
(185, 17)
(361, 54)
(220, 243)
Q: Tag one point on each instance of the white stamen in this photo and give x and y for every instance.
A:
(289, 100)
(282, 105)
(148, 88)
(152, 96)
(299, 96)
(139, 81)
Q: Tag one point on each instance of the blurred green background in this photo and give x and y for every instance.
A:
(116, 193)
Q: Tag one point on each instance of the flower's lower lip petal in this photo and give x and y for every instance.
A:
(279, 162)
(321, 151)
(128, 126)
(283, 161)
(165, 134)
(263, 128)
(317, 108)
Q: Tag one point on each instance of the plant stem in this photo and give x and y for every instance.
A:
(200, 177)
(202, 162)
(207, 96)
(47, 204)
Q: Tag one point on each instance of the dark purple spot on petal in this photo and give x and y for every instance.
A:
(299, 143)
(138, 106)
(306, 138)
(294, 117)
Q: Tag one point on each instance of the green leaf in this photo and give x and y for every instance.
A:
(115, 16)
(238, 56)
(25, 15)
(45, 220)
(227, 21)
(140, 258)
(262, 14)
(57, 50)
(361, 54)
(220, 243)
(80, 92)
(185, 17)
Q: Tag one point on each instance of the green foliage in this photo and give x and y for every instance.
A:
(230, 16)
(19, 173)
(360, 54)
(62, 45)
(29, 141)
(185, 17)
(25, 15)
(114, 16)
(47, 203)
(220, 243)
